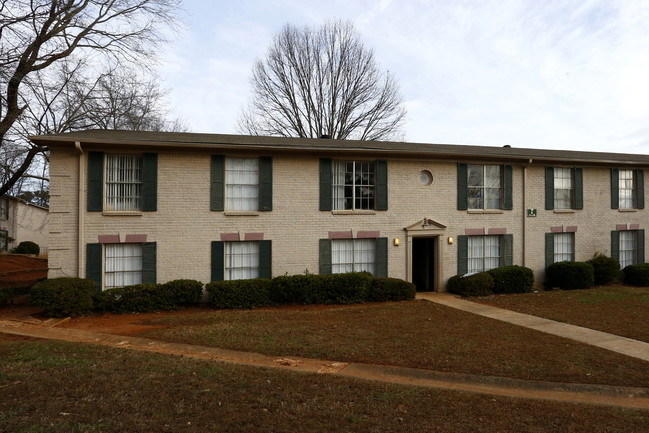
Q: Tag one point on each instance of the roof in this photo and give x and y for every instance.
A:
(223, 142)
(23, 201)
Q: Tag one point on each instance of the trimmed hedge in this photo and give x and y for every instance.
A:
(569, 276)
(138, 298)
(637, 275)
(184, 292)
(252, 293)
(62, 297)
(27, 247)
(294, 289)
(512, 279)
(480, 284)
(391, 289)
(349, 288)
(606, 269)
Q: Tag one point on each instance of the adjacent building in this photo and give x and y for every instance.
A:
(22, 221)
(130, 207)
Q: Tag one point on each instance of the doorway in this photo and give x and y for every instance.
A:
(423, 263)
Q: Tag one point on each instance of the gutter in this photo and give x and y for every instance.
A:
(80, 212)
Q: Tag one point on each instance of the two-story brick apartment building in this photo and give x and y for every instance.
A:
(130, 207)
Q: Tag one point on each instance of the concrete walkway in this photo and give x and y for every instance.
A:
(599, 395)
(623, 345)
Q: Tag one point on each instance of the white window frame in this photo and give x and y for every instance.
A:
(626, 189)
(564, 184)
(241, 260)
(484, 253)
(482, 192)
(353, 255)
(123, 182)
(122, 265)
(628, 248)
(564, 247)
(241, 184)
(353, 185)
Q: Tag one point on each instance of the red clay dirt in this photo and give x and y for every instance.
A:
(21, 271)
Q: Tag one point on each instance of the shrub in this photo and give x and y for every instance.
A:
(183, 292)
(138, 298)
(62, 297)
(606, 269)
(27, 247)
(512, 279)
(289, 289)
(637, 275)
(569, 275)
(349, 288)
(391, 289)
(480, 284)
(239, 293)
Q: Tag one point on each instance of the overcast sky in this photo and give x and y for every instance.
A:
(563, 74)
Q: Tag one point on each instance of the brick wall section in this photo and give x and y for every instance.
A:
(183, 227)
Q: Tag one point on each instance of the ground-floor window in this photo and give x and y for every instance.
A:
(352, 255)
(123, 265)
(484, 253)
(563, 247)
(628, 248)
(4, 240)
(241, 260)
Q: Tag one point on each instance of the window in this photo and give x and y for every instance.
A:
(625, 185)
(563, 188)
(627, 189)
(4, 240)
(484, 253)
(123, 265)
(241, 260)
(4, 209)
(484, 186)
(627, 248)
(123, 182)
(353, 185)
(242, 184)
(352, 255)
(563, 247)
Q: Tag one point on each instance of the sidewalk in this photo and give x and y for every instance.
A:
(615, 343)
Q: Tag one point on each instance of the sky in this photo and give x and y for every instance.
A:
(545, 74)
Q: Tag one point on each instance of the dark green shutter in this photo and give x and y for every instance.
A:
(93, 263)
(95, 181)
(549, 249)
(507, 187)
(508, 250)
(615, 188)
(325, 256)
(462, 254)
(639, 176)
(150, 182)
(381, 258)
(149, 274)
(325, 184)
(381, 184)
(615, 245)
(549, 188)
(462, 193)
(217, 183)
(640, 246)
(579, 188)
(265, 259)
(265, 183)
(218, 260)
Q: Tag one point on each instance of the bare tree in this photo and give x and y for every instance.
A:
(323, 81)
(36, 36)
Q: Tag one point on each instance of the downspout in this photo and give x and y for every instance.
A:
(80, 212)
(524, 213)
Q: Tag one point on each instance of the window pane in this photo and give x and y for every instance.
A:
(626, 189)
(563, 247)
(242, 184)
(353, 185)
(484, 187)
(123, 265)
(627, 248)
(483, 253)
(123, 182)
(352, 255)
(241, 260)
(562, 188)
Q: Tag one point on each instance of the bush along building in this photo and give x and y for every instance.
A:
(144, 207)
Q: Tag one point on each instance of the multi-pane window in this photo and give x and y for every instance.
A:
(563, 188)
(4, 240)
(563, 247)
(628, 247)
(123, 182)
(353, 185)
(242, 184)
(241, 260)
(123, 265)
(484, 186)
(4, 209)
(484, 253)
(626, 187)
(353, 255)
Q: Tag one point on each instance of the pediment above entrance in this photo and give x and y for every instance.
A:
(426, 224)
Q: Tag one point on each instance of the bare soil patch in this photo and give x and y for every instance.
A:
(21, 271)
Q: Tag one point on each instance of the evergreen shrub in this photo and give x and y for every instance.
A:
(253, 293)
(512, 279)
(62, 297)
(27, 247)
(569, 276)
(637, 275)
(606, 269)
(391, 289)
(480, 284)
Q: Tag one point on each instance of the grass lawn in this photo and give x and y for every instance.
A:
(415, 334)
(48, 386)
(617, 309)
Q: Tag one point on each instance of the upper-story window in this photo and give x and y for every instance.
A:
(563, 188)
(4, 208)
(123, 182)
(627, 189)
(484, 186)
(242, 184)
(353, 185)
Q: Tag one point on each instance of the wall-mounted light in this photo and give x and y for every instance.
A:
(396, 242)
(450, 240)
